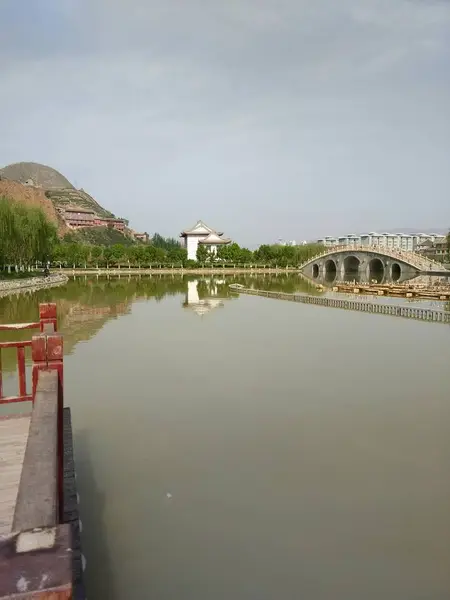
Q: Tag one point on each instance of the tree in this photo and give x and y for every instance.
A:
(96, 254)
(202, 253)
(177, 255)
(26, 236)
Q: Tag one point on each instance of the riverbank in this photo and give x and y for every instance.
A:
(176, 271)
(31, 284)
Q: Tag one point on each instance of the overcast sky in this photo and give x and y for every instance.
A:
(264, 118)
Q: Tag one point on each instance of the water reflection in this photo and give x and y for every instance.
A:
(87, 303)
(205, 295)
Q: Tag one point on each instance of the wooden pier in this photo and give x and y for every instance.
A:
(421, 292)
(394, 310)
(40, 553)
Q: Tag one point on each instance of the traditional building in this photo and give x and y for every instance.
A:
(202, 234)
(143, 237)
(112, 222)
(78, 217)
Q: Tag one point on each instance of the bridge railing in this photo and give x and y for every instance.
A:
(413, 258)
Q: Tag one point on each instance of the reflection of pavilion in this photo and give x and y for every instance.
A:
(202, 296)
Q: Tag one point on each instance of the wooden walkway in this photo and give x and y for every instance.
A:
(13, 440)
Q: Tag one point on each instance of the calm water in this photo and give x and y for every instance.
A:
(306, 450)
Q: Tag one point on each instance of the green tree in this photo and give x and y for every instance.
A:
(177, 255)
(26, 235)
(96, 255)
(202, 253)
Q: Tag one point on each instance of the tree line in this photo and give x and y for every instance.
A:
(26, 235)
(28, 238)
(147, 255)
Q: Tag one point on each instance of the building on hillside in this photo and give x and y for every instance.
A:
(143, 237)
(112, 222)
(78, 217)
(202, 234)
(401, 241)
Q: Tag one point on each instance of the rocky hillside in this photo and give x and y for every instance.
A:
(64, 197)
(33, 196)
(99, 236)
(40, 175)
(40, 185)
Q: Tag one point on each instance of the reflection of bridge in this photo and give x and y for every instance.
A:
(362, 263)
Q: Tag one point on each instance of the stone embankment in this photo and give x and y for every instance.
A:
(176, 271)
(408, 312)
(31, 284)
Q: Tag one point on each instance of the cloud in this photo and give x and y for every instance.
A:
(290, 118)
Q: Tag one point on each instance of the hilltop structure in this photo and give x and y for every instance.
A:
(202, 234)
(69, 208)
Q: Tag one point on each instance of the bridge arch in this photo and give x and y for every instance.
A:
(315, 270)
(396, 271)
(330, 270)
(376, 270)
(351, 267)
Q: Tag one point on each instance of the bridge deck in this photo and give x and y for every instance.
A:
(13, 440)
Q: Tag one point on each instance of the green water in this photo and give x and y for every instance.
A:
(305, 451)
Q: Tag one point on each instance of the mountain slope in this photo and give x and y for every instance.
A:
(65, 197)
(32, 196)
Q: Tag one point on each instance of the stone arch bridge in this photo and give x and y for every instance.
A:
(363, 264)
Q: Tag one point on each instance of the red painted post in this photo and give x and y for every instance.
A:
(47, 352)
(55, 358)
(21, 371)
(47, 314)
(39, 358)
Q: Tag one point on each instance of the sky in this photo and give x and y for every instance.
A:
(267, 119)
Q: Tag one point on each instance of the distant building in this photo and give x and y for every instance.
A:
(112, 222)
(282, 242)
(202, 234)
(78, 217)
(434, 249)
(402, 241)
(143, 237)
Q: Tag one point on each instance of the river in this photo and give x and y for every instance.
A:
(248, 448)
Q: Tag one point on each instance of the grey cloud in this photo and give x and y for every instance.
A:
(291, 118)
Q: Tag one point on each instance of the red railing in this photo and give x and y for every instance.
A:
(47, 323)
(40, 498)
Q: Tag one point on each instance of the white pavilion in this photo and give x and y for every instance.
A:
(202, 234)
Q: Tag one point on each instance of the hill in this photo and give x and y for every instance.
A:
(55, 186)
(40, 185)
(65, 197)
(41, 175)
(99, 236)
(32, 196)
